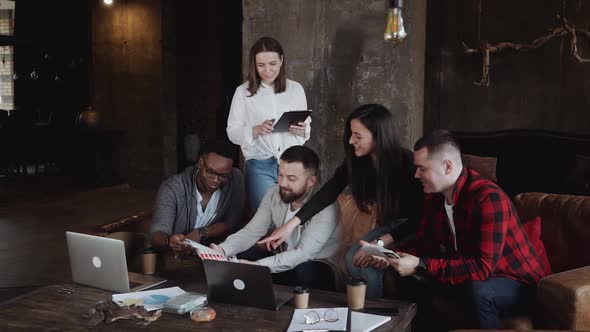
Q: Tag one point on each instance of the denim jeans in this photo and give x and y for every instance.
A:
(497, 297)
(485, 301)
(373, 276)
(260, 175)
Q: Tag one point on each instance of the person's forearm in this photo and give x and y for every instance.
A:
(217, 230)
(404, 231)
(159, 239)
(213, 231)
(386, 238)
(325, 196)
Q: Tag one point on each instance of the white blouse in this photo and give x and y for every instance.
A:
(248, 112)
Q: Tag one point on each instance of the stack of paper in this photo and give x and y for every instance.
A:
(184, 303)
(151, 300)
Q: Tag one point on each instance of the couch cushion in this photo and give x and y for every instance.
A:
(485, 166)
(563, 300)
(532, 229)
(565, 221)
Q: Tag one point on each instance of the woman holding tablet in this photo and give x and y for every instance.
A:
(380, 175)
(256, 104)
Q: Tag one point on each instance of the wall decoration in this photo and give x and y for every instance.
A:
(562, 29)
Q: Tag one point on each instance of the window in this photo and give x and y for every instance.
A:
(6, 55)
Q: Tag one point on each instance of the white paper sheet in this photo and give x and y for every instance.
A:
(151, 300)
(362, 322)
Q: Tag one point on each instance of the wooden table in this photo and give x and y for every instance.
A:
(48, 309)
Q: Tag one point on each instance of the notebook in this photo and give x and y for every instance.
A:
(244, 284)
(363, 322)
(100, 262)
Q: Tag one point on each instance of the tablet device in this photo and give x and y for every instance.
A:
(375, 250)
(289, 118)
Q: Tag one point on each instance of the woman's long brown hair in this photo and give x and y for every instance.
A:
(266, 44)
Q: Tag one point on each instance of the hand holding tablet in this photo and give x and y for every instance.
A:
(290, 118)
(375, 250)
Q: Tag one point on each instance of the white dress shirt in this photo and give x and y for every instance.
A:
(247, 112)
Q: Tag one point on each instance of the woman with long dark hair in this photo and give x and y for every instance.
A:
(380, 174)
(256, 104)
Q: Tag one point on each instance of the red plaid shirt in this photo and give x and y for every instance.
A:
(490, 238)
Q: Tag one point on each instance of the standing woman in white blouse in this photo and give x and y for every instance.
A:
(256, 104)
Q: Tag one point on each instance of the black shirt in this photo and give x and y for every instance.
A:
(411, 197)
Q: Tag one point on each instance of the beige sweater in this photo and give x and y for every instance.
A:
(318, 239)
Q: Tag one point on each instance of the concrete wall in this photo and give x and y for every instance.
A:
(335, 49)
(544, 88)
(128, 89)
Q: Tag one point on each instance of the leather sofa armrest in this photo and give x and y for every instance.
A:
(138, 222)
(563, 300)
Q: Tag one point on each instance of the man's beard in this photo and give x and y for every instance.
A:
(290, 196)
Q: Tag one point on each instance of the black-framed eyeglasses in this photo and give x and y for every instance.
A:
(212, 174)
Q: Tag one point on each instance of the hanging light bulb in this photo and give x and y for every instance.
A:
(108, 2)
(34, 75)
(394, 31)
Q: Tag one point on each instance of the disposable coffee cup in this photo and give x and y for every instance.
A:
(300, 297)
(355, 292)
(148, 259)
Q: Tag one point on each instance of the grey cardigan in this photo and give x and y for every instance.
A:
(319, 239)
(175, 211)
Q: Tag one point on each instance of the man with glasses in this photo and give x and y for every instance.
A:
(203, 203)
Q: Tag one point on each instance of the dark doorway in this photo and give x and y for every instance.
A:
(208, 68)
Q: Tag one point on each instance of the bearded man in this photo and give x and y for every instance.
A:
(308, 257)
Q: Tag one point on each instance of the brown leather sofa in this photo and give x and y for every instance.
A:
(563, 298)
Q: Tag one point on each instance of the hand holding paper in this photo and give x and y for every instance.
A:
(207, 253)
(375, 250)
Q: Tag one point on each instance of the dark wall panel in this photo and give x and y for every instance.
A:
(127, 75)
(544, 88)
(208, 61)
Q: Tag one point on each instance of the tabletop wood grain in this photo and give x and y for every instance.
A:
(51, 309)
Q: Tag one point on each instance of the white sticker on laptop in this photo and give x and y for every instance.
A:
(96, 262)
(239, 284)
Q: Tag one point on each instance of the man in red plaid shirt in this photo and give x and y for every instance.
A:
(470, 240)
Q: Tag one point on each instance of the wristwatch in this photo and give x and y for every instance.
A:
(422, 267)
(168, 241)
(203, 233)
(380, 243)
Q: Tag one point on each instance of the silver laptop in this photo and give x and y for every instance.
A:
(100, 262)
(244, 284)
